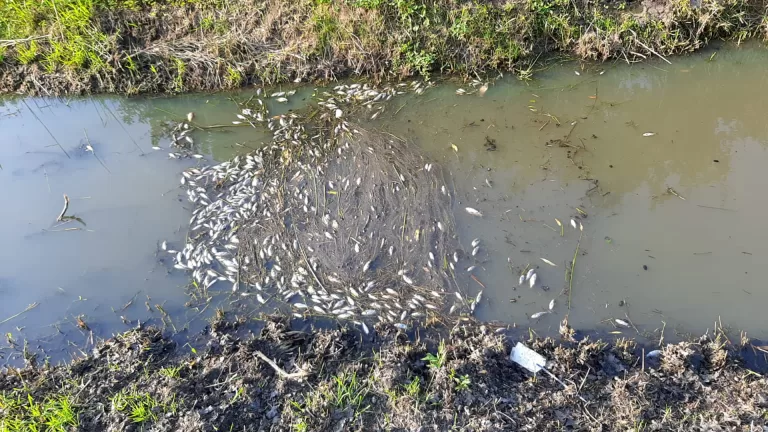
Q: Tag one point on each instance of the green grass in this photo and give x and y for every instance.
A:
(171, 372)
(24, 413)
(141, 407)
(104, 38)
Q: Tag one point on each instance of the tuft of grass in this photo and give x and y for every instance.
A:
(54, 414)
(173, 372)
(437, 361)
(141, 407)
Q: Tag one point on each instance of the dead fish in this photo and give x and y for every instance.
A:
(539, 314)
(529, 274)
(551, 304)
(621, 322)
(260, 299)
(401, 326)
(479, 297)
(653, 354)
(475, 251)
(365, 327)
(282, 100)
(456, 257)
(476, 242)
(532, 280)
(573, 223)
(190, 116)
(431, 256)
(300, 305)
(649, 134)
(367, 266)
(164, 245)
(440, 226)
(522, 279)
(339, 113)
(369, 312)
(549, 262)
(408, 280)
(474, 212)
(458, 295)
(470, 268)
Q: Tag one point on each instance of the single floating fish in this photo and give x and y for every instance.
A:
(573, 223)
(539, 314)
(621, 322)
(653, 354)
(649, 134)
(549, 262)
(476, 242)
(532, 280)
(551, 304)
(190, 116)
(474, 212)
(522, 279)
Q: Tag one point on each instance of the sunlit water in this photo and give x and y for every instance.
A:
(703, 253)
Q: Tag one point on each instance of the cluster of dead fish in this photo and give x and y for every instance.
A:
(182, 141)
(315, 220)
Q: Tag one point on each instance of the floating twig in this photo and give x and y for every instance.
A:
(64, 210)
(29, 308)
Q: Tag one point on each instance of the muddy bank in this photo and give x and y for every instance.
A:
(456, 378)
(121, 46)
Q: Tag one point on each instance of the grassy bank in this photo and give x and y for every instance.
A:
(324, 380)
(133, 46)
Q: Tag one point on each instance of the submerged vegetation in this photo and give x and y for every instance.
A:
(132, 46)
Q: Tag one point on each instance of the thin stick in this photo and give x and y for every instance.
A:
(278, 369)
(649, 49)
(46, 129)
(64, 210)
(478, 282)
(29, 308)
(573, 265)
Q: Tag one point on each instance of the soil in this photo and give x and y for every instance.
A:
(342, 380)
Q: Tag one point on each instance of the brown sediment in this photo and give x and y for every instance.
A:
(340, 381)
(142, 46)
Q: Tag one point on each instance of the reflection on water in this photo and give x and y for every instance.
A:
(562, 142)
(706, 139)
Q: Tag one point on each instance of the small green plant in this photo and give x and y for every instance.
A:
(462, 382)
(234, 77)
(140, 407)
(437, 361)
(171, 372)
(413, 388)
(348, 392)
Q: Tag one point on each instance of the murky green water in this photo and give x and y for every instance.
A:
(703, 253)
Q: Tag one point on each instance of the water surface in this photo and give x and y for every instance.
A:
(564, 141)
